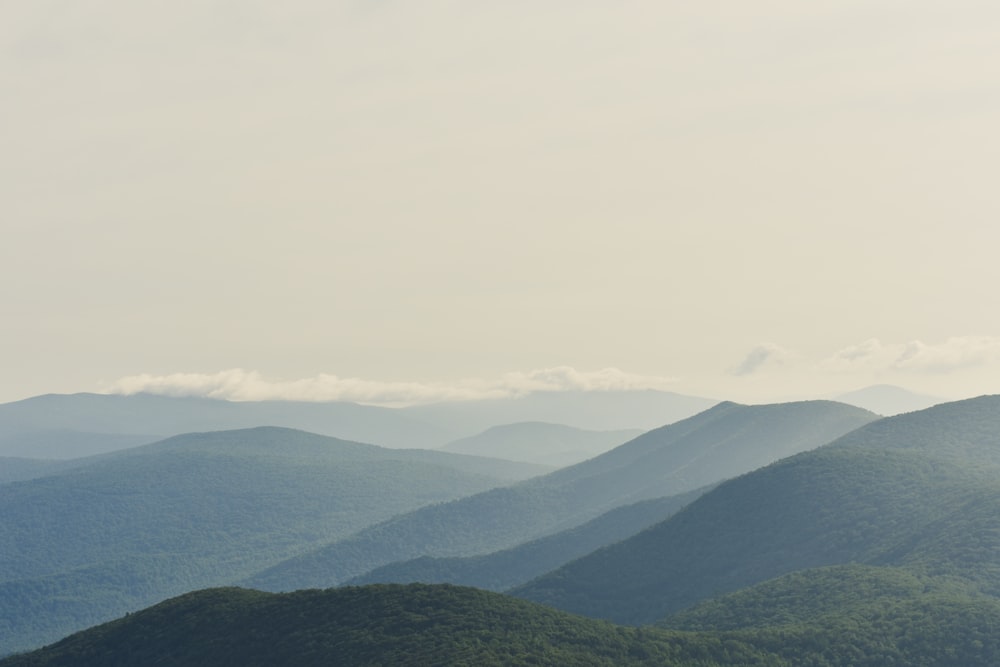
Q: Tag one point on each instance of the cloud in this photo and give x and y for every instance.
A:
(761, 356)
(955, 353)
(240, 385)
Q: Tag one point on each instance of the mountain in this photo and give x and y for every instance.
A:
(126, 529)
(726, 440)
(888, 400)
(421, 625)
(505, 569)
(920, 490)
(541, 442)
(590, 410)
(57, 426)
(14, 469)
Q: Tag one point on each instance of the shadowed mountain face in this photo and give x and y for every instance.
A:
(883, 495)
(724, 441)
(125, 529)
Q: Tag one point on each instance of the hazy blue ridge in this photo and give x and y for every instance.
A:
(505, 569)
(541, 442)
(124, 529)
(721, 442)
(882, 495)
(75, 425)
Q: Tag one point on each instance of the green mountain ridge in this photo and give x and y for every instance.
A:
(445, 625)
(880, 495)
(723, 441)
(122, 530)
(505, 569)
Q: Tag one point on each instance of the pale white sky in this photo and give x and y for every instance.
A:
(454, 198)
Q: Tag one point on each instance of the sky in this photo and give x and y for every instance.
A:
(391, 201)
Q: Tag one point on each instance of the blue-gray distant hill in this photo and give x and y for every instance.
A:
(63, 426)
(920, 491)
(505, 569)
(721, 442)
(541, 442)
(590, 410)
(889, 400)
(122, 530)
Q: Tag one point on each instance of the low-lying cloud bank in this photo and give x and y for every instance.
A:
(240, 385)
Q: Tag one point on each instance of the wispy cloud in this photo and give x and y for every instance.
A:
(767, 354)
(953, 354)
(242, 385)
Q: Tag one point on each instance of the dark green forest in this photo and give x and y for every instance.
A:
(423, 625)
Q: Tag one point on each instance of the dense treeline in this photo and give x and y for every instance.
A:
(447, 625)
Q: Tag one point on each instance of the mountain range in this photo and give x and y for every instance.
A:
(876, 545)
(122, 530)
(726, 440)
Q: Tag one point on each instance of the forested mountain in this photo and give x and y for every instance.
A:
(541, 442)
(721, 442)
(450, 626)
(505, 569)
(126, 529)
(15, 469)
(56, 426)
(919, 490)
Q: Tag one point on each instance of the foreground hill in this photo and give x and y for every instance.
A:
(920, 490)
(62, 426)
(446, 625)
(724, 441)
(540, 442)
(129, 528)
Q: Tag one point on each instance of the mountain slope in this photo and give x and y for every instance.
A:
(726, 440)
(446, 625)
(540, 442)
(879, 495)
(505, 569)
(125, 529)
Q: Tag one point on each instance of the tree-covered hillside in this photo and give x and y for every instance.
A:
(505, 569)
(126, 529)
(886, 494)
(422, 625)
(721, 442)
